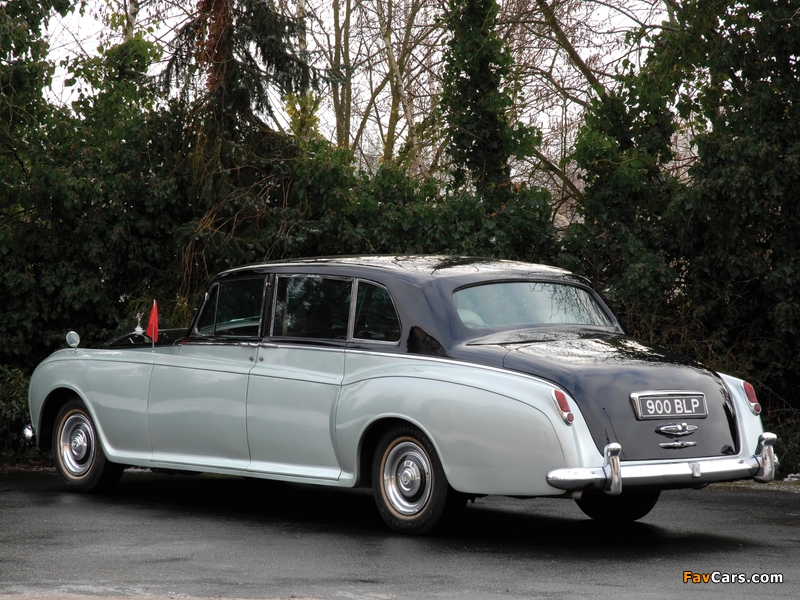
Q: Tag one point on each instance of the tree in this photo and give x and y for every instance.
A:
(24, 72)
(714, 245)
(736, 224)
(73, 247)
(227, 64)
(477, 104)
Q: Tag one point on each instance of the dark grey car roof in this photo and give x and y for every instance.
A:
(419, 268)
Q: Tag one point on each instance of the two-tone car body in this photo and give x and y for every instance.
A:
(431, 379)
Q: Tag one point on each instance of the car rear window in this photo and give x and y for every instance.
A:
(527, 303)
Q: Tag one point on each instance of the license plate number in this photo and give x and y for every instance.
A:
(666, 405)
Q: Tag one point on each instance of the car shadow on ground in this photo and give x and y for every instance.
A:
(544, 526)
(551, 527)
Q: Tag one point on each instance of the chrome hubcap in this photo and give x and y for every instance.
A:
(407, 478)
(77, 443)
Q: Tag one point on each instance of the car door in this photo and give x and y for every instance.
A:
(297, 378)
(197, 405)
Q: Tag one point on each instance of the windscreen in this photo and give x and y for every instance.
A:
(519, 304)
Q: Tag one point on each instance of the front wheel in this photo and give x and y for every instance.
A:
(409, 483)
(77, 453)
(624, 508)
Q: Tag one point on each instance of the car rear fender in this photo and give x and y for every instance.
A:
(496, 432)
(749, 425)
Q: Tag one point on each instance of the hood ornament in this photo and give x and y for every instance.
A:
(678, 430)
(139, 330)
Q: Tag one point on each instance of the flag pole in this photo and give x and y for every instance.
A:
(152, 326)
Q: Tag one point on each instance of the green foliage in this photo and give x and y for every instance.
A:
(303, 119)
(132, 193)
(707, 263)
(225, 64)
(14, 416)
(240, 51)
(340, 211)
(72, 244)
(477, 101)
(24, 72)
(625, 148)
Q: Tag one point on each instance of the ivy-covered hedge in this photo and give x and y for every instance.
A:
(14, 416)
(130, 195)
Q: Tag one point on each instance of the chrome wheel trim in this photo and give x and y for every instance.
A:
(407, 479)
(77, 444)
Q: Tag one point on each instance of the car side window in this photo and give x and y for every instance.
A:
(312, 307)
(233, 309)
(376, 316)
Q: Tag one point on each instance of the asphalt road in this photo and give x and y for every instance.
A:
(201, 536)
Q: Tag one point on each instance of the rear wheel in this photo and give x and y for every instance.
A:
(78, 454)
(624, 508)
(409, 483)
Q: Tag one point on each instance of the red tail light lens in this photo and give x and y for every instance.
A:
(750, 391)
(562, 402)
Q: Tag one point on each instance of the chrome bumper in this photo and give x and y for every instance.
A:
(613, 475)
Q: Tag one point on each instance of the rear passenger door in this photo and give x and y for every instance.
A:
(294, 386)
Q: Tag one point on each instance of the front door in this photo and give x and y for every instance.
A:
(197, 407)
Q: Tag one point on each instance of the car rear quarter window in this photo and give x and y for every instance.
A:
(376, 316)
(312, 307)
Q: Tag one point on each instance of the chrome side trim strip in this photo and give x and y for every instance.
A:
(690, 473)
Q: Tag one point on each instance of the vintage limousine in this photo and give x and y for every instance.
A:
(431, 379)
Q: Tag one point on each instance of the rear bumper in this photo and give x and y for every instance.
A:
(613, 475)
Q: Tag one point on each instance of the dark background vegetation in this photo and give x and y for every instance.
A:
(143, 187)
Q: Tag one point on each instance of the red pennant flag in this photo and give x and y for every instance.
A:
(152, 323)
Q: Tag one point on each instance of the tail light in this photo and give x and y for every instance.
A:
(752, 400)
(562, 403)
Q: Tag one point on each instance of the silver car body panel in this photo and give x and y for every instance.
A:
(300, 413)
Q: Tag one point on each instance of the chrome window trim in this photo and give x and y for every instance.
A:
(378, 342)
(196, 331)
(351, 314)
(272, 345)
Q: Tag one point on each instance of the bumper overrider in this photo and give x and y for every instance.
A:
(690, 473)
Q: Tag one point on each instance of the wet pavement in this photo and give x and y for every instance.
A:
(201, 536)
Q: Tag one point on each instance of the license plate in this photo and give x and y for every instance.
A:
(668, 405)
